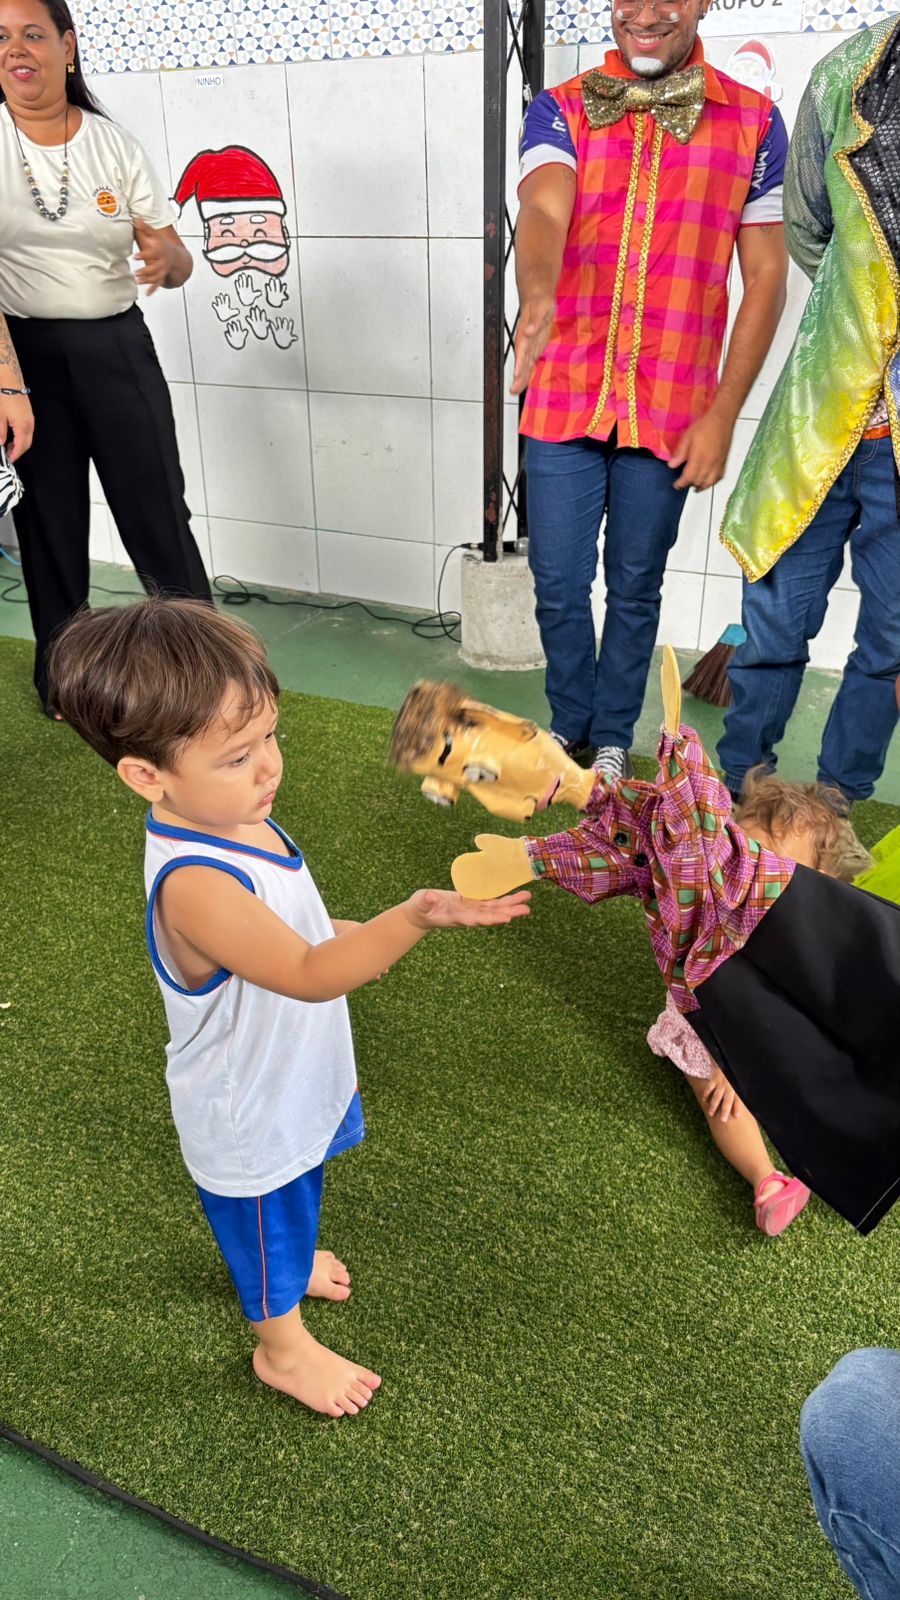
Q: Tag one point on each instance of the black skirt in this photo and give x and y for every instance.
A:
(804, 1022)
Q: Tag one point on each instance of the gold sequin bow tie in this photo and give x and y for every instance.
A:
(676, 100)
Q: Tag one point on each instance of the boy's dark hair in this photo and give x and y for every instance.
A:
(140, 680)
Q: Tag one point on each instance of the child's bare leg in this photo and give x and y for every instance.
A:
(290, 1359)
(329, 1279)
(740, 1142)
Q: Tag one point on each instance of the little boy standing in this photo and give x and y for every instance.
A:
(253, 973)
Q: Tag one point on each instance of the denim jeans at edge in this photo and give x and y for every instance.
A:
(571, 486)
(850, 1439)
(786, 608)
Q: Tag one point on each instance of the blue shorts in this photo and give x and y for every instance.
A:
(269, 1240)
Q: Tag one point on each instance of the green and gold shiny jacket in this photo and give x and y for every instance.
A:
(842, 226)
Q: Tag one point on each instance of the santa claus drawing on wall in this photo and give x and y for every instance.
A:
(244, 232)
(753, 64)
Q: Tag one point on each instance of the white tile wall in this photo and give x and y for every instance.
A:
(447, 578)
(346, 454)
(835, 640)
(369, 179)
(458, 476)
(797, 294)
(691, 546)
(256, 458)
(184, 407)
(721, 607)
(719, 560)
(101, 534)
(560, 64)
(682, 604)
(366, 311)
(373, 470)
(457, 341)
(454, 135)
(263, 553)
(166, 316)
(398, 571)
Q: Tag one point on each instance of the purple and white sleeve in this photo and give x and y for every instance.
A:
(545, 136)
(765, 202)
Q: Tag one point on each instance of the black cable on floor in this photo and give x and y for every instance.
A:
(438, 624)
(320, 1591)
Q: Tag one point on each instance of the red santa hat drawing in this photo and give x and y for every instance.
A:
(240, 200)
(232, 180)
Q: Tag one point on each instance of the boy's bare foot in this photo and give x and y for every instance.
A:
(319, 1378)
(329, 1279)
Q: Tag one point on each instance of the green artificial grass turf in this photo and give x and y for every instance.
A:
(593, 1363)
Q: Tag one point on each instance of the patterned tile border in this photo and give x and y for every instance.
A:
(131, 36)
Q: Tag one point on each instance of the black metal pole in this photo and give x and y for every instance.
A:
(494, 253)
(533, 65)
(507, 36)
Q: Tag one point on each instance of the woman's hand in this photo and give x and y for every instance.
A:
(17, 420)
(16, 415)
(165, 262)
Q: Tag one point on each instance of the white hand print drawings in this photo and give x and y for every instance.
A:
(236, 334)
(283, 332)
(246, 290)
(276, 292)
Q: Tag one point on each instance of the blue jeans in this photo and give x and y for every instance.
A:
(786, 608)
(850, 1438)
(571, 486)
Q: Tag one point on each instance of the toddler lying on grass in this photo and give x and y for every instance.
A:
(797, 820)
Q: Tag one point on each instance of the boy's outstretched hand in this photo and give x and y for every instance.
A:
(444, 908)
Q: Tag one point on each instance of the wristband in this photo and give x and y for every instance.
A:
(23, 391)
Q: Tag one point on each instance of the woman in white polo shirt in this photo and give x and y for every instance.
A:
(76, 194)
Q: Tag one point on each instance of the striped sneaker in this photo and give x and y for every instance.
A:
(613, 762)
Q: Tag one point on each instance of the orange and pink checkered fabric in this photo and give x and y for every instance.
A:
(700, 192)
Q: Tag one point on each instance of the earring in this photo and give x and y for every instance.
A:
(70, 67)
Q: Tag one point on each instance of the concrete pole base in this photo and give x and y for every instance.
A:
(499, 631)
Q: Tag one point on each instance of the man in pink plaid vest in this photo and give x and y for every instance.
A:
(638, 180)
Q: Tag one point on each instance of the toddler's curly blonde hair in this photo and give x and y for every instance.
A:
(813, 809)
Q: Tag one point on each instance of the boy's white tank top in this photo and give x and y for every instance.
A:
(259, 1083)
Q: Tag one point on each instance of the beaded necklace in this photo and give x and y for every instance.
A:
(37, 197)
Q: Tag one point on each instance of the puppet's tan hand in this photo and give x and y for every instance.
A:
(497, 866)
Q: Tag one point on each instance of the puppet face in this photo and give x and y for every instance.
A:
(512, 767)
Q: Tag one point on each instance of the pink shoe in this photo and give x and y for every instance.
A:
(781, 1206)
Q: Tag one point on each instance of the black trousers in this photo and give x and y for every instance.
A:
(99, 395)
